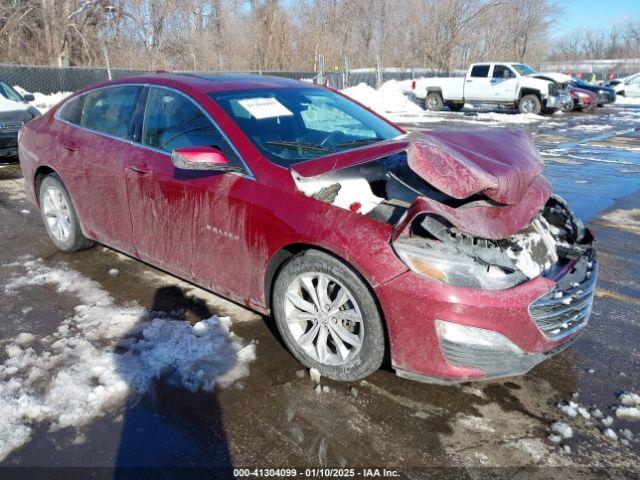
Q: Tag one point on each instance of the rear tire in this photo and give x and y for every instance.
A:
(59, 216)
(434, 102)
(346, 341)
(530, 104)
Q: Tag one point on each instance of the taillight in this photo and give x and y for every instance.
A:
(413, 85)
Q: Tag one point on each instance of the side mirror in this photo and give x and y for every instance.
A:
(201, 158)
(28, 97)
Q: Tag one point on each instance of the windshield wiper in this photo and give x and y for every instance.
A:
(355, 143)
(303, 145)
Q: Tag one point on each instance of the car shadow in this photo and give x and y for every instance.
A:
(173, 432)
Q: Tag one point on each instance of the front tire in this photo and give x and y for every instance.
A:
(60, 217)
(434, 102)
(530, 104)
(327, 317)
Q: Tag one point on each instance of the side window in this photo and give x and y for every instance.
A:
(481, 71)
(110, 110)
(72, 110)
(173, 121)
(502, 71)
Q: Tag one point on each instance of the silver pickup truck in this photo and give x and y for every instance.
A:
(497, 83)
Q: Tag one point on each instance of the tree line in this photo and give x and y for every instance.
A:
(235, 35)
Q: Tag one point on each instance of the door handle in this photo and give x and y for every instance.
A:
(139, 169)
(70, 145)
(468, 81)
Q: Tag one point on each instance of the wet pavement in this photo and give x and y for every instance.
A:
(270, 416)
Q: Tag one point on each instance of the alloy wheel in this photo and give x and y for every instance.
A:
(324, 318)
(57, 213)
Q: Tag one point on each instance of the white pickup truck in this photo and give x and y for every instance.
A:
(497, 83)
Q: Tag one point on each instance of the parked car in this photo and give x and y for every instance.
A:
(605, 94)
(507, 84)
(444, 250)
(629, 86)
(573, 98)
(14, 112)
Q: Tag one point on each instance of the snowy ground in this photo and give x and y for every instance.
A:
(106, 361)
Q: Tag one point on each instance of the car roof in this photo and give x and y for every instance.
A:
(217, 82)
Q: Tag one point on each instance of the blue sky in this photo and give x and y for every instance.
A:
(594, 14)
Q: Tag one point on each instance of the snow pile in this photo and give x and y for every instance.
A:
(627, 101)
(629, 408)
(390, 101)
(44, 102)
(562, 430)
(103, 356)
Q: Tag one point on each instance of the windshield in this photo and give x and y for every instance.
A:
(7, 92)
(523, 69)
(291, 125)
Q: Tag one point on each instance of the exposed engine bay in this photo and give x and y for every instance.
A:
(390, 190)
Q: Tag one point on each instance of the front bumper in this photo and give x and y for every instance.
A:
(9, 139)
(539, 319)
(553, 101)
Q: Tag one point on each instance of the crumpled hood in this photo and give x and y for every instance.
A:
(501, 165)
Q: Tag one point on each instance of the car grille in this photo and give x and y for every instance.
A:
(10, 126)
(560, 316)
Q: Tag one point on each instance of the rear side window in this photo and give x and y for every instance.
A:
(72, 110)
(481, 71)
(173, 121)
(111, 110)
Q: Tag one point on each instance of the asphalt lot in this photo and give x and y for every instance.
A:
(272, 416)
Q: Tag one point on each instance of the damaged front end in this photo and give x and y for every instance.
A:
(469, 210)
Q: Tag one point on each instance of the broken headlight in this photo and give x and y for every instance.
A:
(456, 269)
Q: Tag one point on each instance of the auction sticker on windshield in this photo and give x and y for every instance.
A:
(264, 108)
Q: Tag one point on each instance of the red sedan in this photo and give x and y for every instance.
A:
(445, 251)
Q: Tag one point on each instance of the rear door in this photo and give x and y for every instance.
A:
(181, 218)
(503, 83)
(477, 86)
(93, 148)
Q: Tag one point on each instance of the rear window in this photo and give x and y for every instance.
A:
(72, 110)
(481, 71)
(110, 110)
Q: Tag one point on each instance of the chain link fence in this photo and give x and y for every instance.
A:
(48, 80)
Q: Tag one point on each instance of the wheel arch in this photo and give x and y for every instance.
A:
(280, 258)
(41, 172)
(529, 91)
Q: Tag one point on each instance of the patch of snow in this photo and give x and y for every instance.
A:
(103, 356)
(629, 399)
(631, 414)
(607, 422)
(627, 101)
(114, 272)
(553, 438)
(44, 102)
(355, 193)
(24, 339)
(562, 429)
(610, 434)
(314, 375)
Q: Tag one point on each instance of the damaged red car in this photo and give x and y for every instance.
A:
(445, 252)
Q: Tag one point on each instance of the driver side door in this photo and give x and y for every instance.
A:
(504, 83)
(180, 218)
